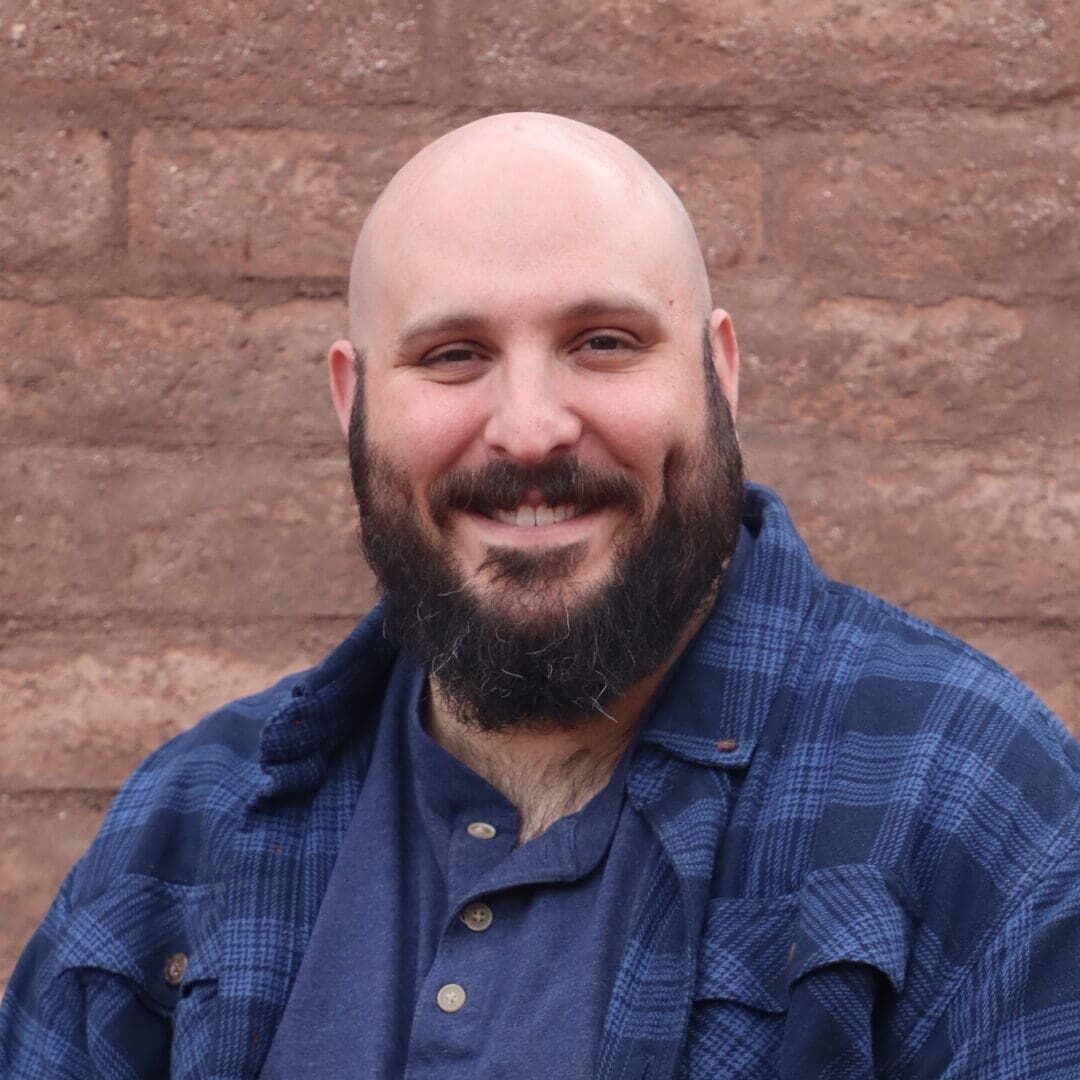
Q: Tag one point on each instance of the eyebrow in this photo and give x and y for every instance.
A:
(452, 322)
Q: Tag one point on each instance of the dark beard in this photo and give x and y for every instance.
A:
(500, 665)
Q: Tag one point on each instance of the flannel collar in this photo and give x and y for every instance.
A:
(714, 703)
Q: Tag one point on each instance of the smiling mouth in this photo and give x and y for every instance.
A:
(531, 517)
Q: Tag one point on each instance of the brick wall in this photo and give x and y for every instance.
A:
(887, 196)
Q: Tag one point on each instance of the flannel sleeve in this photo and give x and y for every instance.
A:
(42, 1021)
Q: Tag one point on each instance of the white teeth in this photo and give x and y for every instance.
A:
(528, 517)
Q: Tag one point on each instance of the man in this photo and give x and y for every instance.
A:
(614, 782)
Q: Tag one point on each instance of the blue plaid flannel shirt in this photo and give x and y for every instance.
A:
(872, 863)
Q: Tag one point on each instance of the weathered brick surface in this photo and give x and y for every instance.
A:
(932, 208)
(873, 369)
(273, 204)
(81, 709)
(807, 58)
(55, 195)
(40, 838)
(236, 534)
(949, 533)
(887, 197)
(168, 371)
(317, 52)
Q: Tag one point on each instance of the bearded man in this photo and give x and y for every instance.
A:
(613, 782)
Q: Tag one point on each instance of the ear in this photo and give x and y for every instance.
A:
(342, 361)
(725, 350)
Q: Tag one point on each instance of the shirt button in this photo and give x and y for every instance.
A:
(477, 916)
(481, 830)
(451, 997)
(175, 967)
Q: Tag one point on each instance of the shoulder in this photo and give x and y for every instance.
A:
(175, 817)
(940, 765)
(904, 679)
(172, 818)
(904, 759)
(962, 787)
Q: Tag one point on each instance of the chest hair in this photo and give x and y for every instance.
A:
(543, 791)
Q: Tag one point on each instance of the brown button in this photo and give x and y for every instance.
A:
(175, 967)
(451, 997)
(726, 746)
(477, 916)
(481, 830)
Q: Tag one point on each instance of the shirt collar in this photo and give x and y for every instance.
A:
(323, 709)
(713, 705)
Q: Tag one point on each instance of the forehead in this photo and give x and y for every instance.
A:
(520, 236)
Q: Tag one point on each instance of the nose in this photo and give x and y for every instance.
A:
(530, 418)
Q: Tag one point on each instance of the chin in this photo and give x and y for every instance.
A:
(535, 607)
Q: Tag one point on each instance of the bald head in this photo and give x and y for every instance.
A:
(518, 191)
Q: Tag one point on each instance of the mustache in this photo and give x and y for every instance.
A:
(503, 485)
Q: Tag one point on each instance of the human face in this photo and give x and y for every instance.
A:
(545, 335)
(564, 668)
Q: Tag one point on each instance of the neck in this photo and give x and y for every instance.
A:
(547, 770)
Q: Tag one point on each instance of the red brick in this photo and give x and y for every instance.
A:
(922, 210)
(807, 59)
(40, 839)
(244, 533)
(964, 370)
(55, 195)
(83, 708)
(272, 51)
(273, 204)
(168, 371)
(990, 532)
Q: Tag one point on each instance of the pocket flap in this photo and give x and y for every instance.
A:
(744, 950)
(754, 949)
(853, 914)
(135, 927)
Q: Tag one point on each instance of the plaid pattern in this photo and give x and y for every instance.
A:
(872, 839)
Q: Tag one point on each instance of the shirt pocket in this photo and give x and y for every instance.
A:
(786, 985)
(144, 955)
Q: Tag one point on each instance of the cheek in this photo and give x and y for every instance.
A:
(426, 430)
(641, 425)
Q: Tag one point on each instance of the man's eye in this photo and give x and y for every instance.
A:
(449, 357)
(605, 343)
